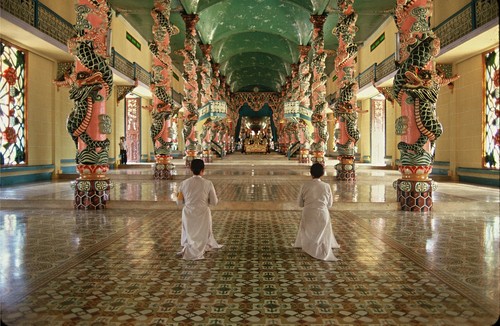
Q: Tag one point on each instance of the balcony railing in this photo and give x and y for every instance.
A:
(367, 76)
(464, 21)
(121, 64)
(473, 15)
(36, 14)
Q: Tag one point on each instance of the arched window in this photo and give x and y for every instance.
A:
(12, 105)
(491, 133)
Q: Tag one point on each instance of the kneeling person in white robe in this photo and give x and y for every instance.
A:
(315, 235)
(197, 194)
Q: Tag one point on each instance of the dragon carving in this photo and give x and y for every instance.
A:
(90, 82)
(191, 83)
(318, 86)
(344, 107)
(164, 108)
(417, 82)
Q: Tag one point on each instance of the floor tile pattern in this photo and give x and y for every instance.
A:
(133, 277)
(60, 266)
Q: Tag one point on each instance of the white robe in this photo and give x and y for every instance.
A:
(197, 236)
(315, 235)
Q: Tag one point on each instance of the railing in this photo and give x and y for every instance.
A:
(121, 64)
(142, 74)
(217, 149)
(367, 76)
(385, 68)
(464, 21)
(36, 14)
(41, 17)
(467, 19)
(293, 149)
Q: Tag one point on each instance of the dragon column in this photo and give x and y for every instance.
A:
(416, 88)
(90, 85)
(163, 105)
(190, 101)
(318, 90)
(205, 98)
(345, 108)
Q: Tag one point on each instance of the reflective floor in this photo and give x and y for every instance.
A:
(59, 266)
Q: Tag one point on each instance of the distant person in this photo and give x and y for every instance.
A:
(315, 235)
(197, 194)
(123, 150)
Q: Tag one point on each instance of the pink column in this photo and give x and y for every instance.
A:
(345, 105)
(304, 98)
(190, 103)
(163, 109)
(91, 83)
(416, 88)
(318, 90)
(205, 98)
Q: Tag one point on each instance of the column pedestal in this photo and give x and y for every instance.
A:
(163, 167)
(414, 189)
(207, 156)
(190, 156)
(346, 169)
(304, 156)
(92, 188)
(318, 157)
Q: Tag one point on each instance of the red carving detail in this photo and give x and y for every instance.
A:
(10, 135)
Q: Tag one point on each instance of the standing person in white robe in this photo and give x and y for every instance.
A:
(315, 235)
(197, 194)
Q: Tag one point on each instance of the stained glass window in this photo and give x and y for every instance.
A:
(491, 111)
(12, 92)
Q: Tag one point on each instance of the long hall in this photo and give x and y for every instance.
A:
(118, 266)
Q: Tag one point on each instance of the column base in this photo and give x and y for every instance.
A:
(190, 156)
(162, 169)
(415, 195)
(304, 156)
(318, 157)
(91, 193)
(207, 156)
(346, 169)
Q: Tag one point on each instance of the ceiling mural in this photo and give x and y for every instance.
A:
(255, 41)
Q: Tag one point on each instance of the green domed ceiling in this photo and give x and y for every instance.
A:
(255, 41)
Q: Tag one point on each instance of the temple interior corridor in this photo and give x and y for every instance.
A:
(117, 266)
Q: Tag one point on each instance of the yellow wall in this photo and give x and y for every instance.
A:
(64, 147)
(467, 114)
(392, 112)
(443, 9)
(125, 48)
(147, 145)
(40, 110)
(444, 109)
(366, 57)
(67, 12)
(364, 142)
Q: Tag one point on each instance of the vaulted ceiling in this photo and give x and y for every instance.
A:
(255, 41)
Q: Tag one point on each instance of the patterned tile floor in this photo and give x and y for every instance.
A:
(118, 266)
